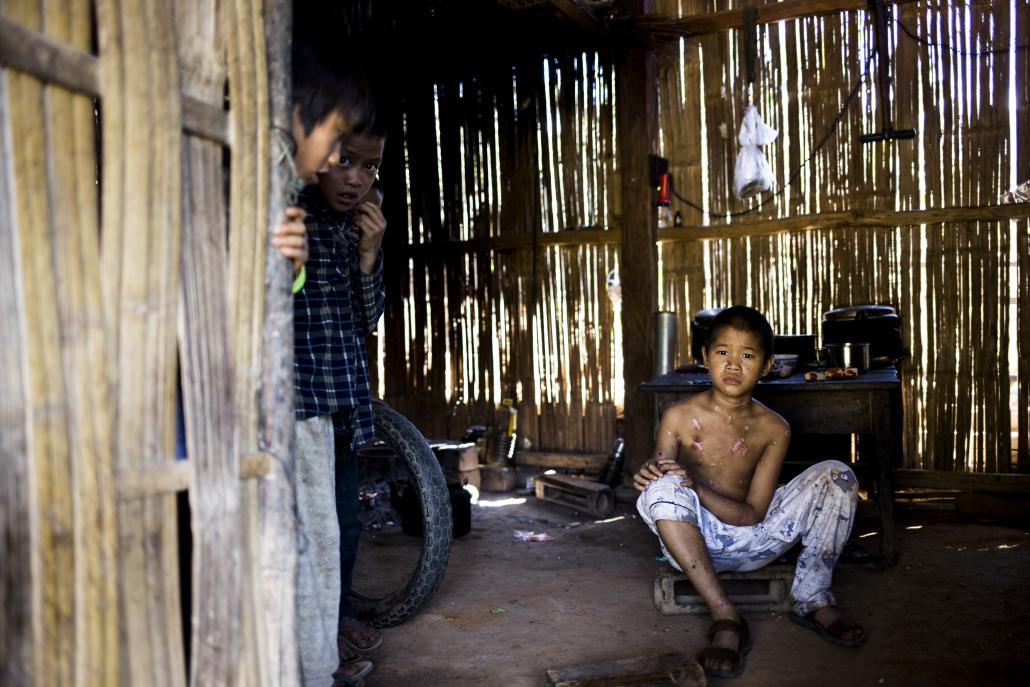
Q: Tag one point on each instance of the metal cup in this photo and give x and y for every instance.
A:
(664, 342)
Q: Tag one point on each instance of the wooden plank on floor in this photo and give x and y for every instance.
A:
(665, 669)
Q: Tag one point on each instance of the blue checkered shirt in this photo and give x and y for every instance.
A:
(336, 308)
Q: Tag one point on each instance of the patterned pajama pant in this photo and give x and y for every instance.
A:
(817, 507)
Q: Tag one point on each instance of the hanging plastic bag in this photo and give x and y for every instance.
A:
(753, 174)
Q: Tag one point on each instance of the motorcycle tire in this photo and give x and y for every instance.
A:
(394, 430)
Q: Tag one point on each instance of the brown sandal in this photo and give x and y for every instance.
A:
(721, 653)
(832, 633)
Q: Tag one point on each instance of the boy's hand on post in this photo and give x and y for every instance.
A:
(291, 238)
(369, 225)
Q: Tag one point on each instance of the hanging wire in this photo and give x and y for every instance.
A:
(922, 40)
(797, 172)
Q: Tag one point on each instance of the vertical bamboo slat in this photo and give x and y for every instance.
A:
(140, 258)
(216, 516)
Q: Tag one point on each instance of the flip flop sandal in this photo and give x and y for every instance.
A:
(355, 680)
(356, 646)
(834, 633)
(721, 654)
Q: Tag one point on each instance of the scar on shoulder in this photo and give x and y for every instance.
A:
(698, 444)
(696, 423)
(739, 448)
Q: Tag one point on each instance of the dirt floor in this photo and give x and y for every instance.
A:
(954, 611)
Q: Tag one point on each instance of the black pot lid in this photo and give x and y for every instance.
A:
(858, 312)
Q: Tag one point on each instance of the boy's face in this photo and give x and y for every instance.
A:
(345, 183)
(736, 361)
(318, 149)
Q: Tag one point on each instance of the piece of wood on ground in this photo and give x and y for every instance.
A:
(592, 497)
(665, 669)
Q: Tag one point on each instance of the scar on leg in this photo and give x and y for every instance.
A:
(698, 444)
(738, 448)
(696, 423)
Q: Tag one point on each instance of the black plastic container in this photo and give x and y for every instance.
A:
(801, 345)
(699, 330)
(407, 505)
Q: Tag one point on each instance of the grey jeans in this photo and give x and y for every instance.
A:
(318, 579)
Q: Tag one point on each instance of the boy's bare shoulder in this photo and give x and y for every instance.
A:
(682, 407)
(769, 420)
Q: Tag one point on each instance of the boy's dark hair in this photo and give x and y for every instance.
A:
(325, 81)
(743, 319)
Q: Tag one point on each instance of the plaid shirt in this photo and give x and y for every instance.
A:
(336, 308)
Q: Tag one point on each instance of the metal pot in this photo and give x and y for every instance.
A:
(854, 355)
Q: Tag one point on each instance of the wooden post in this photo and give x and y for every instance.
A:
(637, 118)
(278, 509)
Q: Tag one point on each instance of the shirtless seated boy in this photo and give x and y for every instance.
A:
(709, 493)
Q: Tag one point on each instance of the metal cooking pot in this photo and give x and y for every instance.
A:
(854, 355)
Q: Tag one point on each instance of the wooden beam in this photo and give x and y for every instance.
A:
(849, 219)
(77, 70)
(666, 29)
(565, 461)
(174, 475)
(637, 125)
(962, 481)
(575, 14)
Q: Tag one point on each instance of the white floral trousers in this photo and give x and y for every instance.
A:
(817, 507)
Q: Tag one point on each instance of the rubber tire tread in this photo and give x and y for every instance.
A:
(404, 438)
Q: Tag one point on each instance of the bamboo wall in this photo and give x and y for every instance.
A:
(515, 153)
(960, 286)
(116, 273)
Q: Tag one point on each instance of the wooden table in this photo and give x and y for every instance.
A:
(868, 405)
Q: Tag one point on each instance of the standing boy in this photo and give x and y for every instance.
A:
(709, 493)
(340, 303)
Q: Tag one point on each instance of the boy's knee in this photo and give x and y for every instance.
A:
(841, 475)
(667, 499)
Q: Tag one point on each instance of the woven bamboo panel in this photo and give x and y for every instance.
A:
(548, 148)
(113, 226)
(950, 282)
(535, 324)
